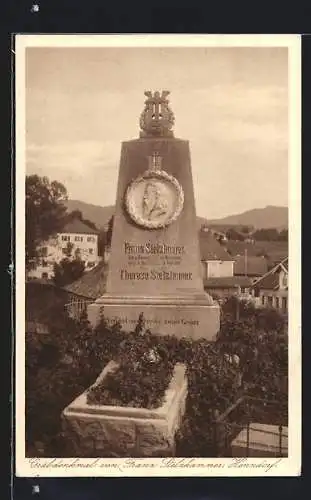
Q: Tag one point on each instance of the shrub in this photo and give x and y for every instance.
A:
(63, 365)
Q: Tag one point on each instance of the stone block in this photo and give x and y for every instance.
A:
(120, 431)
(191, 317)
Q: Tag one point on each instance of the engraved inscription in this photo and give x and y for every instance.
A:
(124, 320)
(155, 275)
(150, 254)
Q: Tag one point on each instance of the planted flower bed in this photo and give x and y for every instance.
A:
(138, 384)
(136, 405)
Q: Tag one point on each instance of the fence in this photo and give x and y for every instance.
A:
(76, 307)
(240, 416)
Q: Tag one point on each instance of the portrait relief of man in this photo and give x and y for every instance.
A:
(154, 203)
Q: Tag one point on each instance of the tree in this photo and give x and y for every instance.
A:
(45, 211)
(283, 235)
(68, 270)
(102, 242)
(269, 234)
(234, 235)
(109, 232)
(68, 249)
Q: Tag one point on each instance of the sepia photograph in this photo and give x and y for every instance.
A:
(158, 243)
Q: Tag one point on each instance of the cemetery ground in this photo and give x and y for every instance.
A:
(63, 363)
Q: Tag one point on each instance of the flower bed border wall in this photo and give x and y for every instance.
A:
(121, 431)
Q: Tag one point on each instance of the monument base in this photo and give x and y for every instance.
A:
(121, 431)
(193, 317)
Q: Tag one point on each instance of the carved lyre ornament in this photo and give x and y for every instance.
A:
(157, 119)
(154, 199)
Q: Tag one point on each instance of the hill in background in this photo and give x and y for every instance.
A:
(268, 217)
(259, 218)
(99, 215)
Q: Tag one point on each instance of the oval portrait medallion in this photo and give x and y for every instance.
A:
(154, 200)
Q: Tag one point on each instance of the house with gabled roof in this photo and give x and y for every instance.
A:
(76, 235)
(216, 261)
(271, 290)
(218, 269)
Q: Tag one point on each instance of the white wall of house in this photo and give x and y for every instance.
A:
(278, 299)
(85, 244)
(283, 280)
(217, 268)
(54, 250)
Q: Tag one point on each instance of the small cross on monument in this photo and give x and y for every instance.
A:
(155, 161)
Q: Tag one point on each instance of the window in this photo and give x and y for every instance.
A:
(270, 301)
(90, 239)
(78, 238)
(45, 276)
(243, 289)
(44, 263)
(65, 237)
(91, 251)
(263, 300)
(284, 303)
(277, 302)
(44, 251)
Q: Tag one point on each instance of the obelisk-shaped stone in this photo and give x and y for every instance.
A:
(154, 266)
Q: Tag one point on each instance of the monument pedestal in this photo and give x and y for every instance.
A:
(193, 317)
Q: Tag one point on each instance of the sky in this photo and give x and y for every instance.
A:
(230, 103)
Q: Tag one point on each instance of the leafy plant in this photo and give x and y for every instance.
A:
(80, 354)
(45, 211)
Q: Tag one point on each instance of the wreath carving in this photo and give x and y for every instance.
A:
(157, 209)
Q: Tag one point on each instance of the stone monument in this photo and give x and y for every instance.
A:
(154, 266)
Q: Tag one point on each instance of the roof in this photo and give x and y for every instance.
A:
(77, 226)
(211, 249)
(250, 266)
(92, 284)
(284, 263)
(227, 282)
(270, 281)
